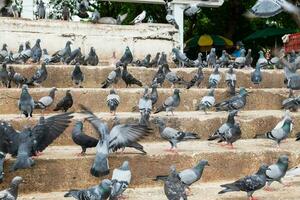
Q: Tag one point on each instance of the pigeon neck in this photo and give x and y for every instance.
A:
(52, 94)
(230, 119)
(161, 126)
(282, 166)
(286, 126)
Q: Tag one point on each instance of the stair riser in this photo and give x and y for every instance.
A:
(60, 76)
(95, 99)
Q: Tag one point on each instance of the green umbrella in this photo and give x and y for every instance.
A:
(269, 32)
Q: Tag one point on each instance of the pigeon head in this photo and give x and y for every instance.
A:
(21, 48)
(262, 169)
(68, 92)
(261, 54)
(200, 55)
(4, 46)
(92, 51)
(249, 51)
(27, 45)
(24, 87)
(106, 184)
(45, 51)
(173, 172)
(243, 51)
(177, 91)
(17, 181)
(284, 159)
(203, 163)
(243, 91)
(125, 165)
(52, 92)
(213, 50)
(175, 50)
(38, 41)
(42, 120)
(68, 43)
(154, 85)
(112, 91)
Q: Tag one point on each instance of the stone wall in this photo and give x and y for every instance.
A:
(142, 39)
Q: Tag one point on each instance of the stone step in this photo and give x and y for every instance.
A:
(225, 164)
(95, 99)
(252, 122)
(60, 76)
(204, 191)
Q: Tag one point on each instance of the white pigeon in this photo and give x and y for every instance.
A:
(286, 116)
(192, 9)
(139, 18)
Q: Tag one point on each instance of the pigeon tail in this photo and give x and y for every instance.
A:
(161, 178)
(98, 173)
(159, 109)
(213, 137)
(71, 193)
(105, 84)
(22, 162)
(39, 105)
(138, 147)
(190, 136)
(229, 188)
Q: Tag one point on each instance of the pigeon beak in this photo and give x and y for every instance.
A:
(208, 164)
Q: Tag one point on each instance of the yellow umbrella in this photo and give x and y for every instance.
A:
(205, 40)
(226, 40)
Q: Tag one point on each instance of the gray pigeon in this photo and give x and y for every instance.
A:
(41, 10)
(145, 107)
(81, 139)
(211, 58)
(4, 76)
(172, 135)
(256, 75)
(95, 16)
(65, 103)
(113, 101)
(173, 187)
(230, 78)
(171, 18)
(46, 101)
(170, 103)
(139, 19)
(262, 61)
(154, 94)
(231, 135)
(99, 192)
(46, 58)
(77, 75)
(92, 58)
(39, 76)
(225, 126)
(3, 52)
(127, 57)
(214, 78)
(198, 62)
(236, 102)
(159, 77)
(26, 53)
(248, 184)
(75, 56)
(181, 57)
(12, 192)
(154, 61)
(207, 101)
(121, 178)
(224, 59)
(36, 51)
(292, 103)
(16, 77)
(191, 175)
(163, 59)
(239, 62)
(26, 103)
(145, 62)
(172, 77)
(192, 9)
(277, 171)
(249, 59)
(63, 54)
(113, 77)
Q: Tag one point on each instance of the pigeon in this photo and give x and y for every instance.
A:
(46, 58)
(26, 103)
(281, 131)
(292, 103)
(77, 75)
(26, 53)
(32, 141)
(154, 94)
(270, 8)
(92, 58)
(192, 9)
(211, 58)
(4, 76)
(74, 56)
(236, 102)
(65, 103)
(163, 59)
(120, 179)
(172, 135)
(36, 51)
(129, 79)
(170, 103)
(16, 56)
(66, 13)
(171, 18)
(262, 61)
(41, 10)
(3, 52)
(214, 78)
(181, 57)
(207, 101)
(249, 59)
(81, 139)
(240, 61)
(139, 18)
(159, 77)
(95, 16)
(63, 54)
(46, 101)
(248, 184)
(15, 77)
(99, 192)
(172, 77)
(145, 107)
(226, 126)
(145, 62)
(256, 75)
(113, 101)
(277, 171)
(127, 57)
(231, 135)
(230, 78)
(113, 77)
(173, 187)
(154, 61)
(39, 76)
(189, 176)
(120, 136)
(198, 62)
(12, 192)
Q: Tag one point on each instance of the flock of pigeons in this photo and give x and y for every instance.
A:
(31, 141)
